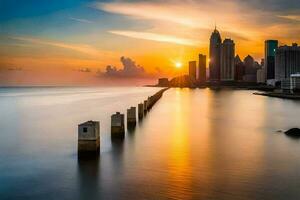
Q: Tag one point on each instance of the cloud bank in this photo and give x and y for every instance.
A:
(130, 70)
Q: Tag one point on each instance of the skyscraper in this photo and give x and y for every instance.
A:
(287, 61)
(227, 60)
(202, 68)
(215, 56)
(270, 49)
(192, 69)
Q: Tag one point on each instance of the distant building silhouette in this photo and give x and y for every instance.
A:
(287, 61)
(163, 82)
(182, 81)
(227, 60)
(202, 68)
(270, 49)
(262, 63)
(249, 64)
(239, 68)
(260, 74)
(215, 56)
(192, 69)
(250, 69)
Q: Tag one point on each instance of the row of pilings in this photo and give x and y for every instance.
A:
(89, 132)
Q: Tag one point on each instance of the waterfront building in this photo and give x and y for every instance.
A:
(227, 60)
(270, 50)
(202, 68)
(292, 84)
(287, 61)
(215, 56)
(192, 69)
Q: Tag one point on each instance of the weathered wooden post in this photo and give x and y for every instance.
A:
(89, 137)
(117, 126)
(141, 111)
(131, 117)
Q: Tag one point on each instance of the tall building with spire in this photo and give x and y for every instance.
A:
(215, 56)
(227, 60)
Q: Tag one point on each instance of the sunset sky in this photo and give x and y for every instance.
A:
(73, 41)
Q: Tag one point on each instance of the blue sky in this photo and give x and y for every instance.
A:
(11, 9)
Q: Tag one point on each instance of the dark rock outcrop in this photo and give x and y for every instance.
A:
(293, 132)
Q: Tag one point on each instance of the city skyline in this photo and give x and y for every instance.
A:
(63, 39)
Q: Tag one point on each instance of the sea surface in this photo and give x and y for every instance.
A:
(193, 144)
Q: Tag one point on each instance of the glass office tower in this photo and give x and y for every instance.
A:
(270, 50)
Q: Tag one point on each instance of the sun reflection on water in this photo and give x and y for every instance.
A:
(180, 173)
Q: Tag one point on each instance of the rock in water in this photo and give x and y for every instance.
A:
(295, 132)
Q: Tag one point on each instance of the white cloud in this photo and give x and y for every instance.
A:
(229, 16)
(291, 17)
(155, 37)
(81, 20)
(82, 48)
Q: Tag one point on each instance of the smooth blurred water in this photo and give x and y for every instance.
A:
(194, 144)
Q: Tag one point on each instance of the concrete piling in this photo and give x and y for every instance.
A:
(131, 117)
(149, 103)
(117, 125)
(145, 106)
(154, 98)
(141, 110)
(89, 137)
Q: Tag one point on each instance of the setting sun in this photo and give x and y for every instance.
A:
(178, 64)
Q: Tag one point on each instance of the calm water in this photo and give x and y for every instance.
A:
(194, 144)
